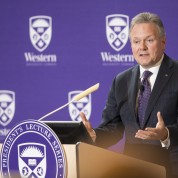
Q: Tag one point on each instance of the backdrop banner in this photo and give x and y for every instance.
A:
(53, 50)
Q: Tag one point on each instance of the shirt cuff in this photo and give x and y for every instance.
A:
(166, 143)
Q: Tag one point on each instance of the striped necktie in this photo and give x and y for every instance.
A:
(144, 95)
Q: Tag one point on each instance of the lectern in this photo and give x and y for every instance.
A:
(85, 160)
(88, 161)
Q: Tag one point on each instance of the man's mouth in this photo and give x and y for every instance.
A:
(143, 55)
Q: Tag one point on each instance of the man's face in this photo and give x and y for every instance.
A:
(147, 45)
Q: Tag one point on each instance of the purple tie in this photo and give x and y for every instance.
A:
(144, 94)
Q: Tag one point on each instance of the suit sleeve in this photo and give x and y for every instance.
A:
(173, 132)
(111, 129)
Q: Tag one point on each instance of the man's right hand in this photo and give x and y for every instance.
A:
(88, 126)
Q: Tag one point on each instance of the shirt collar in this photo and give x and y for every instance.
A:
(153, 69)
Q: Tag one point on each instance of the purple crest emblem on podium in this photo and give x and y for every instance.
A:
(32, 150)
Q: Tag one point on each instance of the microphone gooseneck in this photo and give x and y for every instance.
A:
(76, 98)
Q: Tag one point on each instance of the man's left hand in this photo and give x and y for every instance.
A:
(160, 132)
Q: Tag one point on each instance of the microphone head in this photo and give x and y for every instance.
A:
(86, 92)
(142, 88)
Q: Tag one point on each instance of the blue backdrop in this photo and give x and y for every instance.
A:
(51, 50)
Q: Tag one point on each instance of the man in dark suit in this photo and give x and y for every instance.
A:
(154, 135)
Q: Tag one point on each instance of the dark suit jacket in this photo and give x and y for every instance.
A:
(120, 113)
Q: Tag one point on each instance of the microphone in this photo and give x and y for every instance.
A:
(76, 98)
(141, 88)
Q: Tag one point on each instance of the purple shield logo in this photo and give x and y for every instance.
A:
(40, 31)
(32, 160)
(83, 105)
(117, 30)
(7, 106)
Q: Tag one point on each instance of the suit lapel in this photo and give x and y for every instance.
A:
(133, 90)
(163, 77)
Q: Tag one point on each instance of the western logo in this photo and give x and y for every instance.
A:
(7, 107)
(40, 31)
(32, 150)
(117, 30)
(117, 33)
(83, 105)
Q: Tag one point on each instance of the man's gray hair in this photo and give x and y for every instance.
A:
(147, 17)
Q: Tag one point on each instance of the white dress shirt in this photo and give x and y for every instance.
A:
(152, 79)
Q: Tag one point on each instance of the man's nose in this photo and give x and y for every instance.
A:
(143, 45)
